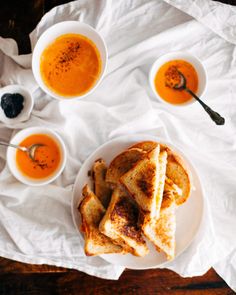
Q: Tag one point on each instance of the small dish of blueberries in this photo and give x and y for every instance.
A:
(16, 104)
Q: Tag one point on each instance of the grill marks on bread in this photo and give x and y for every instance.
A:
(127, 214)
(142, 181)
(123, 163)
(120, 223)
(176, 171)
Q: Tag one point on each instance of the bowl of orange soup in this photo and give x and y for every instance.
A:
(69, 60)
(49, 160)
(189, 65)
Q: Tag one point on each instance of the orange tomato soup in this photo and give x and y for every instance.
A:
(47, 157)
(71, 65)
(169, 94)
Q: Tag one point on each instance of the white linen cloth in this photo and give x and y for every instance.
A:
(35, 223)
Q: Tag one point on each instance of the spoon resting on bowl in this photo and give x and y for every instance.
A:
(180, 84)
(29, 150)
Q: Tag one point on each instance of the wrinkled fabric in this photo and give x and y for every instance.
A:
(36, 223)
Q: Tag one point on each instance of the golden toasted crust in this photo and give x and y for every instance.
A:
(92, 211)
(162, 160)
(120, 223)
(101, 187)
(145, 179)
(123, 163)
(176, 169)
(162, 175)
(168, 200)
(142, 181)
(178, 172)
(162, 230)
(170, 186)
(146, 146)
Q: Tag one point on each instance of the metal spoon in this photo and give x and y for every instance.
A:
(182, 86)
(29, 150)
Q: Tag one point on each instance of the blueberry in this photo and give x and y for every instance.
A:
(12, 104)
(6, 98)
(18, 98)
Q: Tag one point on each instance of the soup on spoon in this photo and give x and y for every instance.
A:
(167, 73)
(46, 160)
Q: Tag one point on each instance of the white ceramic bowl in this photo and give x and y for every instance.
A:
(11, 155)
(28, 104)
(196, 63)
(54, 32)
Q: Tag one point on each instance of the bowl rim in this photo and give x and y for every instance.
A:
(27, 109)
(11, 152)
(185, 55)
(35, 59)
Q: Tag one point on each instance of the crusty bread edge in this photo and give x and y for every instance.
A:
(179, 159)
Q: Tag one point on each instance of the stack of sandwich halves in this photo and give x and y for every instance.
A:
(134, 198)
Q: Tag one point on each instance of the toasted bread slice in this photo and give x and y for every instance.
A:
(145, 146)
(162, 231)
(162, 175)
(101, 188)
(120, 223)
(162, 159)
(170, 186)
(176, 169)
(92, 211)
(123, 163)
(142, 181)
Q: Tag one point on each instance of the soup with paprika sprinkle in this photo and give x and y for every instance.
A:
(167, 73)
(71, 65)
(47, 157)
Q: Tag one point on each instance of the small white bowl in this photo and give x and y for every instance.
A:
(54, 32)
(193, 60)
(28, 104)
(11, 155)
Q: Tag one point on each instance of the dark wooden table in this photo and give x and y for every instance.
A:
(17, 20)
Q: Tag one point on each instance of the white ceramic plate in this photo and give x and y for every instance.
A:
(188, 216)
